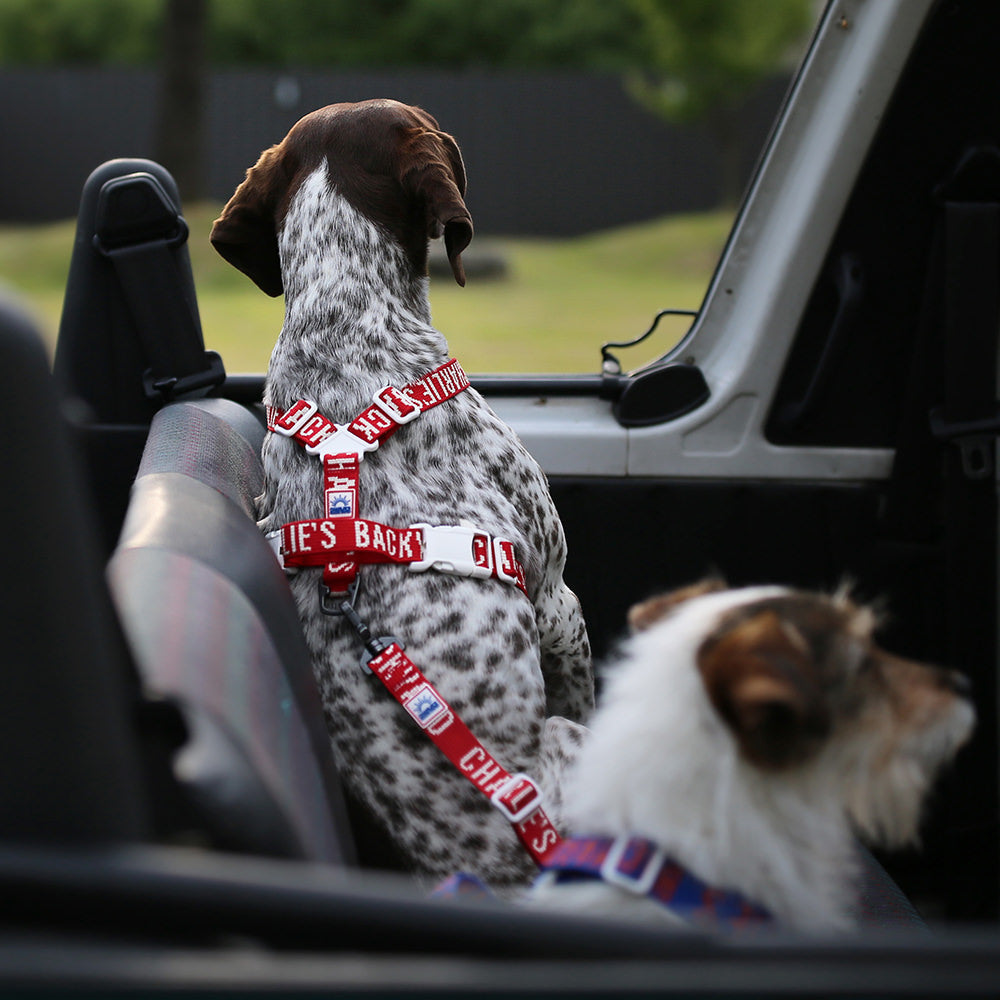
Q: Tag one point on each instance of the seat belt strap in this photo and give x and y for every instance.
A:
(138, 229)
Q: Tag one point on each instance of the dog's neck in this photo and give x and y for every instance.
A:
(356, 314)
(782, 842)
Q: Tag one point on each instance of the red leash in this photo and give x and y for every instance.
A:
(516, 796)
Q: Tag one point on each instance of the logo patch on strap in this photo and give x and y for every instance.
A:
(341, 503)
(425, 706)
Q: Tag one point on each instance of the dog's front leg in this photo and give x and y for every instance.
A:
(565, 653)
(561, 743)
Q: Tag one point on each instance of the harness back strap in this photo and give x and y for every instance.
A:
(638, 866)
(516, 796)
(341, 541)
(390, 409)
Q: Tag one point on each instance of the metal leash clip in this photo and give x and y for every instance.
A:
(345, 609)
(335, 605)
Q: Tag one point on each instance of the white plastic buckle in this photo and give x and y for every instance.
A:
(273, 539)
(535, 802)
(499, 562)
(343, 441)
(448, 548)
(383, 399)
(641, 883)
(299, 421)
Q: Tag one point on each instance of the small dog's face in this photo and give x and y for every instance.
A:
(389, 160)
(800, 683)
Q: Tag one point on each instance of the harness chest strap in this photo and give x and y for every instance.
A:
(454, 548)
(516, 796)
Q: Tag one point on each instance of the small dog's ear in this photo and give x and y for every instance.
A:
(649, 612)
(432, 168)
(245, 233)
(760, 677)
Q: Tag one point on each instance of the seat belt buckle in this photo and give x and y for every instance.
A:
(171, 387)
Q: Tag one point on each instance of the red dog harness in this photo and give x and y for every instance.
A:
(342, 541)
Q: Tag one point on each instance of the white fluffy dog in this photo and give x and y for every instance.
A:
(745, 736)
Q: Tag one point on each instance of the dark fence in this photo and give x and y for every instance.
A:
(546, 153)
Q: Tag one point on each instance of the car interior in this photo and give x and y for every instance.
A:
(168, 785)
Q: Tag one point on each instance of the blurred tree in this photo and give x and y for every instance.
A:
(578, 34)
(180, 123)
(78, 32)
(334, 33)
(445, 33)
(702, 58)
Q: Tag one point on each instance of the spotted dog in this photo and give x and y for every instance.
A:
(338, 217)
(743, 737)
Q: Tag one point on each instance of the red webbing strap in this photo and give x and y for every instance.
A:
(393, 407)
(389, 410)
(340, 501)
(312, 543)
(516, 796)
(458, 549)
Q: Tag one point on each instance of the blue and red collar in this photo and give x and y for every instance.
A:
(640, 867)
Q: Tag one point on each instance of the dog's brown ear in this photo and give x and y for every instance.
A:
(760, 677)
(245, 233)
(652, 610)
(431, 168)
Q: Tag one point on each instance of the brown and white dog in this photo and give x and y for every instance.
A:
(338, 217)
(744, 737)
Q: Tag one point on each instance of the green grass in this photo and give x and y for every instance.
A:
(560, 300)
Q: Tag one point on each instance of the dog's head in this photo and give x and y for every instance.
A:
(389, 160)
(798, 679)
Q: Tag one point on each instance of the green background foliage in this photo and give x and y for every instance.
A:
(342, 33)
(701, 56)
(716, 44)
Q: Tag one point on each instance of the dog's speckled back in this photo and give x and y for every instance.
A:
(357, 318)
